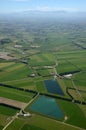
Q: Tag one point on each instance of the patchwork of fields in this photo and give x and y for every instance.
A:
(43, 84)
(45, 67)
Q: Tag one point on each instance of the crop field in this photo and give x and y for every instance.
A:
(45, 72)
(6, 110)
(6, 114)
(42, 60)
(46, 75)
(65, 67)
(36, 121)
(15, 94)
(80, 79)
(70, 109)
(14, 71)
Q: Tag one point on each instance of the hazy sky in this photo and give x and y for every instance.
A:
(43, 5)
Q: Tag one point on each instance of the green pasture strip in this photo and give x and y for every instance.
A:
(70, 55)
(16, 66)
(5, 64)
(36, 58)
(22, 83)
(11, 67)
(41, 60)
(16, 124)
(20, 73)
(62, 85)
(43, 72)
(1, 127)
(79, 62)
(39, 121)
(68, 83)
(80, 79)
(74, 113)
(83, 108)
(80, 84)
(65, 67)
(49, 56)
(75, 95)
(6, 110)
(80, 76)
(26, 84)
(43, 63)
(15, 94)
(40, 86)
(31, 127)
(4, 119)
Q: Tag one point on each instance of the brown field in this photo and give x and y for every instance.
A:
(13, 103)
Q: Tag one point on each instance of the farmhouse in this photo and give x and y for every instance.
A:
(68, 76)
(32, 75)
(34, 46)
(18, 46)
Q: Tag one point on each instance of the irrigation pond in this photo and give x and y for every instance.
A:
(53, 86)
(48, 107)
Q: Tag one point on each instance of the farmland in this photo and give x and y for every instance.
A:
(42, 74)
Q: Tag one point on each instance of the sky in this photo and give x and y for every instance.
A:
(9, 6)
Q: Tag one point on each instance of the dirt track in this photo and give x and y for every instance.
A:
(13, 103)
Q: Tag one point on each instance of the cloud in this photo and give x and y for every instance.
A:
(46, 8)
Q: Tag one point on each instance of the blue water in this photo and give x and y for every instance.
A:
(47, 106)
(53, 87)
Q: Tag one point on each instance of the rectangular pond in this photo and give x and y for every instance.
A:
(47, 106)
(52, 86)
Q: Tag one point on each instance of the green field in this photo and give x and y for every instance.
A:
(32, 51)
(14, 72)
(6, 110)
(43, 122)
(42, 60)
(70, 110)
(15, 94)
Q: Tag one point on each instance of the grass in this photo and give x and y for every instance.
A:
(43, 122)
(14, 72)
(41, 60)
(74, 113)
(31, 127)
(6, 110)
(15, 94)
(65, 67)
(28, 84)
(4, 119)
(1, 127)
(40, 86)
(79, 79)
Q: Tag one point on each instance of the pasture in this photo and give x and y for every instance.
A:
(15, 94)
(38, 120)
(70, 110)
(48, 48)
(42, 60)
(14, 71)
(6, 114)
(6, 110)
